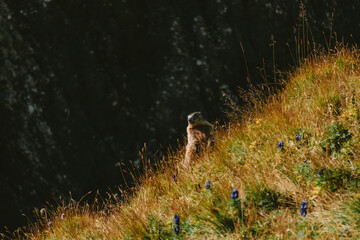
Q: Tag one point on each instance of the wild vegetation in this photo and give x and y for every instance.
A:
(83, 84)
(300, 143)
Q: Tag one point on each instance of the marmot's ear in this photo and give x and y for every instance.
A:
(197, 114)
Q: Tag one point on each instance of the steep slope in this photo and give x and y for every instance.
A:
(316, 119)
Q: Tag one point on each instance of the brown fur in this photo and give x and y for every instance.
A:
(200, 135)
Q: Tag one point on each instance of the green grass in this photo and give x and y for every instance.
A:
(320, 102)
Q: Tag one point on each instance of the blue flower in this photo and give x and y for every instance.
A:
(176, 229)
(280, 145)
(298, 138)
(234, 194)
(177, 219)
(207, 186)
(303, 208)
(321, 172)
(174, 178)
(177, 224)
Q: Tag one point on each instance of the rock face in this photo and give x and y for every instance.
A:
(31, 166)
(85, 83)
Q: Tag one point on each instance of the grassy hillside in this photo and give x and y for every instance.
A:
(316, 116)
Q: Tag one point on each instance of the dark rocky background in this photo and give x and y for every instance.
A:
(84, 83)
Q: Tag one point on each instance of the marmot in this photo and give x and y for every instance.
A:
(200, 135)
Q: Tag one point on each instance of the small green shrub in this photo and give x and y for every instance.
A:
(337, 178)
(305, 230)
(186, 227)
(304, 170)
(224, 215)
(233, 215)
(224, 220)
(266, 198)
(355, 209)
(238, 151)
(335, 137)
(156, 229)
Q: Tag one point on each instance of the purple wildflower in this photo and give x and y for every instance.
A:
(280, 145)
(49, 223)
(177, 223)
(303, 208)
(207, 186)
(176, 229)
(321, 172)
(174, 178)
(298, 138)
(177, 219)
(234, 194)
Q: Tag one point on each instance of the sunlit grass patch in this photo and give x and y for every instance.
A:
(301, 143)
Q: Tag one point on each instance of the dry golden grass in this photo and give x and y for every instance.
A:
(324, 91)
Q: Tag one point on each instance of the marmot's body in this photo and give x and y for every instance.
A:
(200, 135)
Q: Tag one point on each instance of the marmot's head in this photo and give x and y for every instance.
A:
(195, 117)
